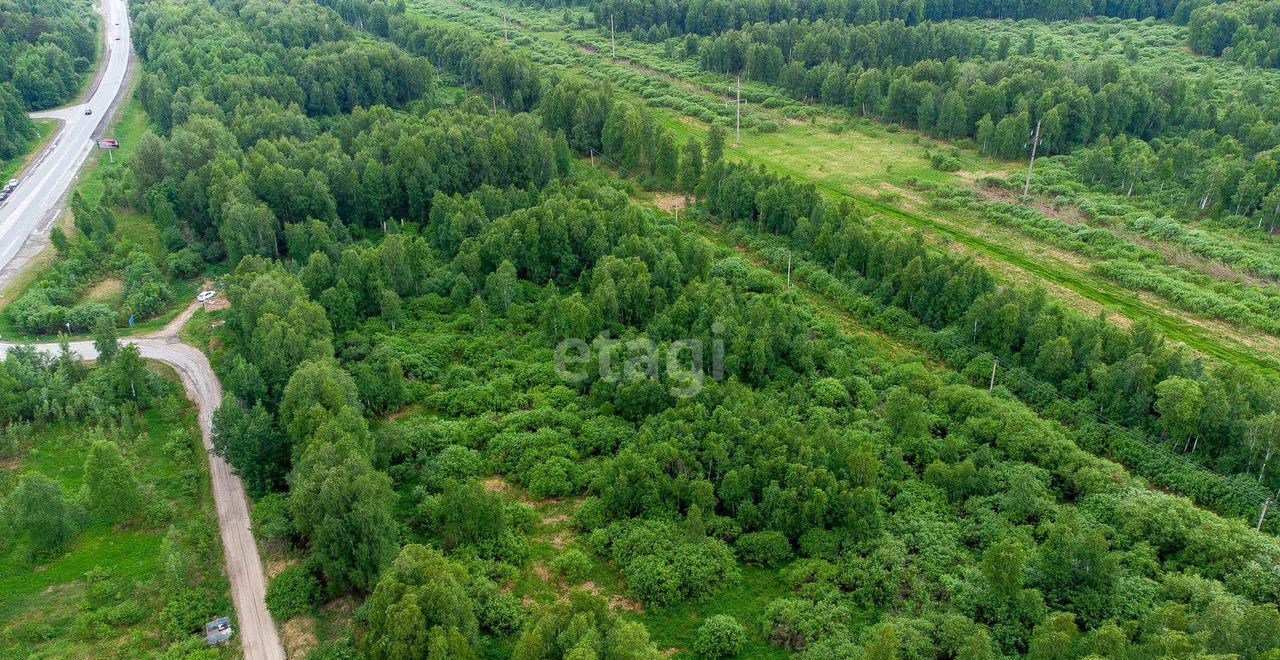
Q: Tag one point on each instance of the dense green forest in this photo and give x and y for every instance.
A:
(490, 401)
(46, 48)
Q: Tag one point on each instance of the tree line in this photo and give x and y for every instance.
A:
(659, 19)
(953, 84)
(46, 49)
(1244, 32)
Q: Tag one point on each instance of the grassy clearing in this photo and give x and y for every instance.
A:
(107, 290)
(127, 127)
(57, 608)
(198, 331)
(671, 628)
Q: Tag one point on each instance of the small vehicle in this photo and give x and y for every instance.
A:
(4, 195)
(13, 183)
(88, 111)
(218, 631)
(206, 296)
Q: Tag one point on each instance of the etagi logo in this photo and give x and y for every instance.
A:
(680, 364)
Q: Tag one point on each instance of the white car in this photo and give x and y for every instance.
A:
(206, 296)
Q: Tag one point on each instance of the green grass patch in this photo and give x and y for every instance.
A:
(676, 627)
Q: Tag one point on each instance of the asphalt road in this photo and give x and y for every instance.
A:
(36, 202)
(256, 630)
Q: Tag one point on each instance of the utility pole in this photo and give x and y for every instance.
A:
(613, 36)
(788, 270)
(738, 108)
(1265, 505)
(1035, 142)
(506, 34)
(992, 386)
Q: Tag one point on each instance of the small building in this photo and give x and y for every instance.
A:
(217, 631)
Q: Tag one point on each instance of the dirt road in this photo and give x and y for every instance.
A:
(256, 630)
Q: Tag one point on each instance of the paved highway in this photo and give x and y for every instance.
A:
(42, 188)
(256, 630)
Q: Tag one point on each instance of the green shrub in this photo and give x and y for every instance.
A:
(589, 515)
(552, 477)
(764, 548)
(720, 636)
(338, 649)
(85, 315)
(820, 543)
(501, 613)
(830, 392)
(453, 462)
(271, 520)
(127, 613)
(573, 564)
(294, 591)
(185, 613)
(662, 564)
(944, 162)
(767, 126)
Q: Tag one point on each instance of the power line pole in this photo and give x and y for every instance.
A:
(1035, 142)
(992, 386)
(506, 35)
(1265, 505)
(613, 36)
(788, 270)
(738, 108)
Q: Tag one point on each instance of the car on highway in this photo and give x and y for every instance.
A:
(88, 111)
(8, 187)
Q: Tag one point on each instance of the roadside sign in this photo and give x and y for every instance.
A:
(131, 319)
(108, 143)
